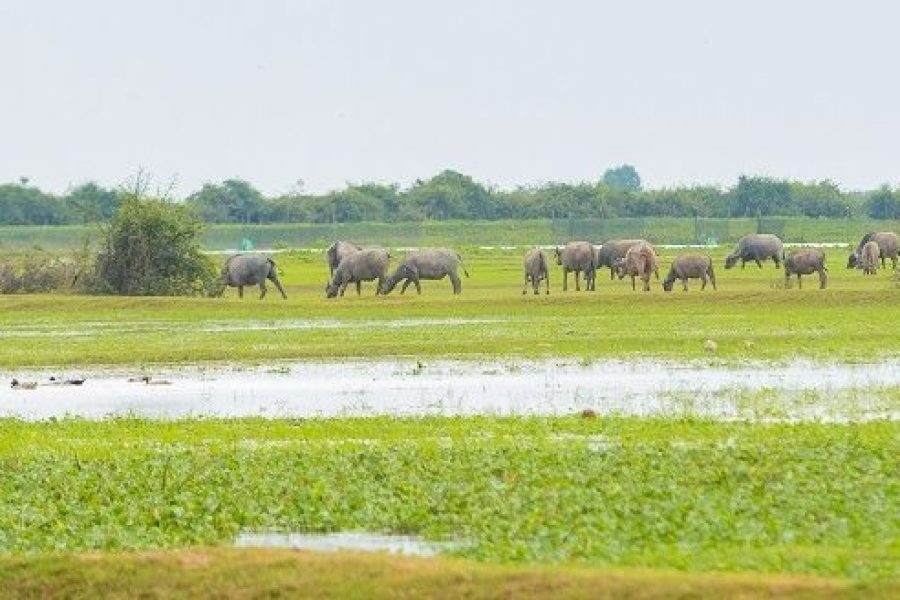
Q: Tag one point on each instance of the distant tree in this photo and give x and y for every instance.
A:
(152, 248)
(819, 199)
(232, 201)
(21, 204)
(761, 196)
(623, 178)
(451, 195)
(90, 202)
(883, 203)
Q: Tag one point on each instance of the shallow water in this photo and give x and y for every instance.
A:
(799, 390)
(333, 542)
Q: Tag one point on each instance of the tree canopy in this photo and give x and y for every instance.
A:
(453, 195)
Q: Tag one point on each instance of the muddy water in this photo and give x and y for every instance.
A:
(501, 387)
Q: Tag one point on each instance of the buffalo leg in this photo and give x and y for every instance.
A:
(565, 279)
(457, 285)
(277, 283)
(240, 291)
(405, 285)
(684, 282)
(418, 286)
(359, 288)
(262, 290)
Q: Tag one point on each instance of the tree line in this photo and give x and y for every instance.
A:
(453, 195)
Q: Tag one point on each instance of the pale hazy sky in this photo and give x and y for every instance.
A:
(512, 92)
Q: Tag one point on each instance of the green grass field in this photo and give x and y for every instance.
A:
(545, 506)
(659, 230)
(751, 316)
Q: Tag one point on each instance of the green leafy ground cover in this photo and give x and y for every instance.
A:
(690, 495)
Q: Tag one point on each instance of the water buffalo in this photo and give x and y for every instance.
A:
(888, 247)
(365, 265)
(756, 247)
(537, 268)
(612, 250)
(639, 262)
(805, 261)
(867, 259)
(337, 252)
(426, 264)
(690, 266)
(578, 257)
(250, 269)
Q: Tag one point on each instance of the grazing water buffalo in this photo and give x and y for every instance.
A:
(365, 265)
(250, 269)
(805, 261)
(426, 264)
(612, 250)
(690, 266)
(867, 259)
(537, 268)
(337, 252)
(578, 257)
(888, 247)
(639, 261)
(756, 247)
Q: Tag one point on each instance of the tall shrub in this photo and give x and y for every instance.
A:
(151, 248)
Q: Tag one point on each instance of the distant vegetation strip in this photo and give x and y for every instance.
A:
(659, 230)
(452, 195)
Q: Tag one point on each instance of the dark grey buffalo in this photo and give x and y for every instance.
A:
(690, 266)
(250, 269)
(638, 262)
(426, 264)
(337, 252)
(611, 251)
(577, 257)
(365, 265)
(888, 247)
(756, 247)
(867, 258)
(805, 261)
(537, 268)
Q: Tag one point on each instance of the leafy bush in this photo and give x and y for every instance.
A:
(152, 248)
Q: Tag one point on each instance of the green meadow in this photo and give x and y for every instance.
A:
(752, 315)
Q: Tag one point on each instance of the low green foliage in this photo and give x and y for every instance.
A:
(691, 495)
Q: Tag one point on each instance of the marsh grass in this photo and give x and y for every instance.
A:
(853, 320)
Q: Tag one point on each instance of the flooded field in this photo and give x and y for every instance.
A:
(791, 391)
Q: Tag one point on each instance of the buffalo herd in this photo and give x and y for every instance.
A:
(349, 263)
